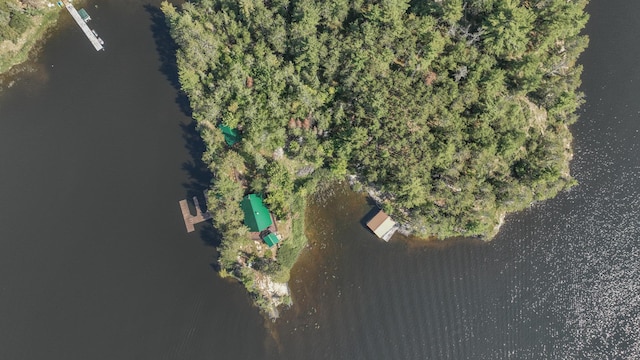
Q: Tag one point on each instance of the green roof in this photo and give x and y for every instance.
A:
(271, 239)
(256, 215)
(231, 136)
(83, 14)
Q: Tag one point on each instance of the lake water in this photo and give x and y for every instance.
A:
(95, 263)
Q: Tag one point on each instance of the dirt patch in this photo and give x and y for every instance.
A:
(538, 117)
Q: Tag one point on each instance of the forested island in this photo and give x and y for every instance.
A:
(450, 113)
(22, 24)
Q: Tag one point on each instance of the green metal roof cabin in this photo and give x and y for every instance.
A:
(270, 239)
(231, 136)
(256, 215)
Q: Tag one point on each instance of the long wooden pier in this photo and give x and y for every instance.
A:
(189, 219)
(91, 35)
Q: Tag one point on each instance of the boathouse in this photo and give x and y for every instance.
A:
(382, 225)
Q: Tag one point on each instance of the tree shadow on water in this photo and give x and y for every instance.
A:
(199, 176)
(211, 237)
(199, 180)
(166, 48)
(370, 215)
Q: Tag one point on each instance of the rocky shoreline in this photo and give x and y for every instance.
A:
(404, 227)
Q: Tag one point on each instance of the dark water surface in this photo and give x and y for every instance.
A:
(95, 262)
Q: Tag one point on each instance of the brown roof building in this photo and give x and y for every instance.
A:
(382, 225)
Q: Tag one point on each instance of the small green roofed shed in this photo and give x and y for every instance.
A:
(256, 215)
(231, 136)
(84, 15)
(270, 239)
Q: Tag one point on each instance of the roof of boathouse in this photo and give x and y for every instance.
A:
(381, 224)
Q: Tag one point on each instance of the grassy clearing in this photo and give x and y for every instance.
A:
(293, 245)
(12, 54)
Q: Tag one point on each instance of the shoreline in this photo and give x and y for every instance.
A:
(18, 52)
(493, 140)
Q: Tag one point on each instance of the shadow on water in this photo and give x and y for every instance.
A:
(166, 48)
(198, 173)
(364, 220)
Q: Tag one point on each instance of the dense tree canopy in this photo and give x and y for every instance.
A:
(456, 110)
(15, 18)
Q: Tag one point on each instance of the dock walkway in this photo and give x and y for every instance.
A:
(387, 236)
(95, 40)
(190, 220)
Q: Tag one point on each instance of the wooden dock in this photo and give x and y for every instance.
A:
(91, 35)
(189, 219)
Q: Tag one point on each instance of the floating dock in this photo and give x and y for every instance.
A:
(189, 219)
(91, 35)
